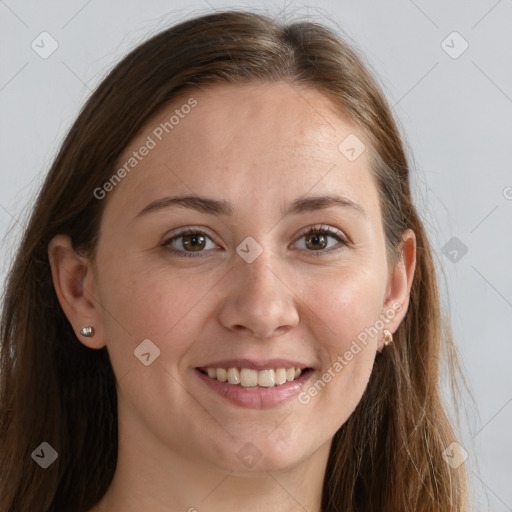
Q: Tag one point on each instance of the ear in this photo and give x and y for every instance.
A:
(73, 280)
(399, 284)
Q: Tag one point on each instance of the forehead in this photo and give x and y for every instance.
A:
(275, 141)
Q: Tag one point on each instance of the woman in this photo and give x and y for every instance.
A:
(225, 297)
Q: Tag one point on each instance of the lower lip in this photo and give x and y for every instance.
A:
(256, 398)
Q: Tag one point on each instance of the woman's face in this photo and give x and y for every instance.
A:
(246, 287)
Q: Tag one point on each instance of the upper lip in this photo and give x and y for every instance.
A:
(256, 365)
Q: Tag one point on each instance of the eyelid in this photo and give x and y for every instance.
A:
(186, 230)
(331, 230)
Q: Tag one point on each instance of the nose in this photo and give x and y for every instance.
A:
(259, 302)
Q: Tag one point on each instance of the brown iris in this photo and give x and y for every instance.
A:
(314, 238)
(194, 242)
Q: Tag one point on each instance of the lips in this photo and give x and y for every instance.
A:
(257, 394)
(255, 383)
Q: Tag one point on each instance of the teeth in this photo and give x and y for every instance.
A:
(233, 376)
(280, 376)
(250, 378)
(266, 378)
(222, 374)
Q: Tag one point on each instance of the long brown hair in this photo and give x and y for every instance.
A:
(387, 456)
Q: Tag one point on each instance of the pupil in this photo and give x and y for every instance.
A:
(318, 239)
(193, 241)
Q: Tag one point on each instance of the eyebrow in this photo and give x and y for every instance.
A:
(220, 207)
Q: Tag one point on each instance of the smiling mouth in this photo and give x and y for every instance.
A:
(251, 378)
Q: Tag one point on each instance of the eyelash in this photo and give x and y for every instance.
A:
(315, 230)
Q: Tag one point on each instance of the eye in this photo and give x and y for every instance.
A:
(316, 239)
(191, 242)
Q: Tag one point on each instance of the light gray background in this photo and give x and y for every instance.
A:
(456, 114)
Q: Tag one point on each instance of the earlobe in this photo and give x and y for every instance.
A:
(71, 274)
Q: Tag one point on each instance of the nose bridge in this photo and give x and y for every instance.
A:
(259, 277)
(259, 300)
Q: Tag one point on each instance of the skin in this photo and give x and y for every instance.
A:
(259, 147)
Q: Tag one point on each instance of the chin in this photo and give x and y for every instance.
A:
(266, 455)
(262, 465)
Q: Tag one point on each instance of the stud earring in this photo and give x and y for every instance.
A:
(388, 338)
(88, 332)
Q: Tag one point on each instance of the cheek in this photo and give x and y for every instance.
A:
(347, 309)
(141, 303)
(345, 305)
